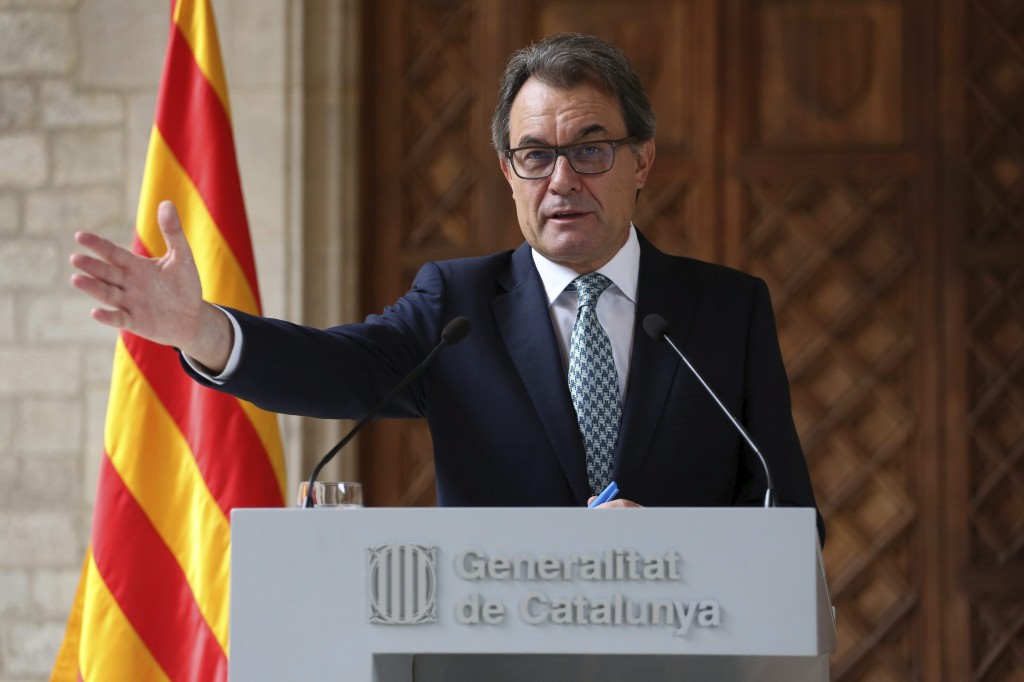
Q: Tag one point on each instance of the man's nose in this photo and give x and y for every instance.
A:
(564, 177)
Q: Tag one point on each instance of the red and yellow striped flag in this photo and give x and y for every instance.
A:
(152, 603)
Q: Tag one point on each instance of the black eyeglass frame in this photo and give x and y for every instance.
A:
(563, 151)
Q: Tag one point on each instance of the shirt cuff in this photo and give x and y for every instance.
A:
(233, 359)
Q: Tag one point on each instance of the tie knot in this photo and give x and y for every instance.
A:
(590, 287)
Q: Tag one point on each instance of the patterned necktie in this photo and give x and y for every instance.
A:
(593, 382)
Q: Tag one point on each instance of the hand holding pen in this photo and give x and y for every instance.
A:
(608, 493)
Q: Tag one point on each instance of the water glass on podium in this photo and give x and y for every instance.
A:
(336, 494)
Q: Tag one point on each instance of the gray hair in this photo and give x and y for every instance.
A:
(567, 60)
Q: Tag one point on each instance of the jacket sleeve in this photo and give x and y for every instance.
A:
(343, 371)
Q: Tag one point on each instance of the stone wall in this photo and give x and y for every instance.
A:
(78, 83)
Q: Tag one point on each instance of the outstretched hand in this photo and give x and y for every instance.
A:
(160, 299)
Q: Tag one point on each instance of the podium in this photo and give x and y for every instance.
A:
(396, 595)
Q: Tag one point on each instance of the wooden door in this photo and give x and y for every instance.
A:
(865, 157)
(829, 162)
(981, 206)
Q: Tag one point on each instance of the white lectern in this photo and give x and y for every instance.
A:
(397, 595)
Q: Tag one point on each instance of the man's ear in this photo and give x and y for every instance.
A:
(505, 170)
(644, 161)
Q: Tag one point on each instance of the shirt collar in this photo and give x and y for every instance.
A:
(623, 270)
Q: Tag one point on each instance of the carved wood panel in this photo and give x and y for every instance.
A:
(838, 258)
(432, 187)
(831, 73)
(866, 157)
(991, 264)
(825, 192)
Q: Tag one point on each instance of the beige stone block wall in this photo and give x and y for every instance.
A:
(78, 82)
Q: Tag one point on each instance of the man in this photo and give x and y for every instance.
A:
(555, 392)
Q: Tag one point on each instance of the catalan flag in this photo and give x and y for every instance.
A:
(152, 602)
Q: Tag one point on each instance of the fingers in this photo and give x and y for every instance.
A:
(618, 504)
(98, 269)
(111, 318)
(114, 266)
(612, 504)
(98, 278)
(170, 227)
(106, 294)
(104, 248)
(157, 298)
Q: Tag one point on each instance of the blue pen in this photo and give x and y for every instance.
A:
(608, 493)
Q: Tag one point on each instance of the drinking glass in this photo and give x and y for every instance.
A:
(337, 494)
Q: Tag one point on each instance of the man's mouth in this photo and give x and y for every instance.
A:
(567, 215)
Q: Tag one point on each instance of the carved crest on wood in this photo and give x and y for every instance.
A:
(828, 63)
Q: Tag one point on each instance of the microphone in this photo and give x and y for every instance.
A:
(657, 328)
(454, 331)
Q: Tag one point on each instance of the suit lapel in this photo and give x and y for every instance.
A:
(661, 290)
(523, 320)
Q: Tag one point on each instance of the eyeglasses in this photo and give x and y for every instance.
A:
(587, 158)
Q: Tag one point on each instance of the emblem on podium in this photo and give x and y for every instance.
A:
(402, 584)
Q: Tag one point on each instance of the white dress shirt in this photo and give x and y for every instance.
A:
(616, 308)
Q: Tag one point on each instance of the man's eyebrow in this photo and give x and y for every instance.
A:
(532, 141)
(590, 130)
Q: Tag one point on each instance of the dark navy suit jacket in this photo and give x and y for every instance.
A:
(498, 406)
